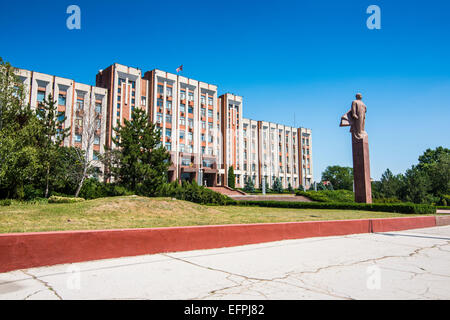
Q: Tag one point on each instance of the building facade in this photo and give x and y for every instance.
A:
(83, 106)
(205, 133)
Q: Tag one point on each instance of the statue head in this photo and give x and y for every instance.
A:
(358, 96)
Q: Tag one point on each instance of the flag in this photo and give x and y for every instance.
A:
(180, 68)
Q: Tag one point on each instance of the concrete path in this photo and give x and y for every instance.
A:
(413, 264)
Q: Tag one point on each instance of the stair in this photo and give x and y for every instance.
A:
(227, 191)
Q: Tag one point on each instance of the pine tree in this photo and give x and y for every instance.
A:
(231, 177)
(277, 187)
(249, 185)
(143, 161)
(52, 137)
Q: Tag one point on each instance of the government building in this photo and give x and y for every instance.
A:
(205, 133)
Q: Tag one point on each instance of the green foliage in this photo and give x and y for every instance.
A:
(289, 188)
(340, 177)
(192, 192)
(93, 189)
(301, 187)
(277, 187)
(249, 186)
(328, 195)
(231, 177)
(382, 207)
(143, 161)
(5, 202)
(58, 199)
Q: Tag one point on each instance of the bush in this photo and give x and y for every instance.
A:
(5, 202)
(58, 199)
(93, 189)
(328, 195)
(384, 207)
(193, 192)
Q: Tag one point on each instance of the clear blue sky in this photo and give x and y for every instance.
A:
(306, 58)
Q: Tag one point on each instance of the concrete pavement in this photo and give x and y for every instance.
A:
(412, 264)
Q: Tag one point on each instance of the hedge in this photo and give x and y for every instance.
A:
(443, 207)
(384, 207)
(58, 199)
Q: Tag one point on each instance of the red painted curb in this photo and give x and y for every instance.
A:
(397, 224)
(443, 220)
(28, 250)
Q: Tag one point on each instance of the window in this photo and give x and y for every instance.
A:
(121, 80)
(40, 96)
(210, 101)
(203, 150)
(182, 121)
(186, 162)
(190, 136)
(159, 117)
(98, 124)
(183, 95)
(62, 100)
(203, 112)
(77, 138)
(210, 138)
(181, 147)
(143, 100)
(210, 113)
(98, 107)
(168, 133)
(168, 146)
(118, 98)
(61, 116)
(203, 137)
(210, 125)
(190, 149)
(191, 96)
(181, 134)
(119, 90)
(182, 107)
(133, 84)
(160, 89)
(96, 140)
(159, 102)
(190, 110)
(203, 125)
(80, 104)
(169, 91)
(95, 156)
(168, 118)
(191, 123)
(203, 99)
(169, 105)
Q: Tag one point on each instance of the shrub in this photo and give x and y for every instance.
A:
(384, 207)
(249, 185)
(5, 202)
(58, 199)
(193, 192)
(277, 187)
(328, 195)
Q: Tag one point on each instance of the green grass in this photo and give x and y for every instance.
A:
(142, 212)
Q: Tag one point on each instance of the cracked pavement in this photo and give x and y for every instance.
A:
(411, 264)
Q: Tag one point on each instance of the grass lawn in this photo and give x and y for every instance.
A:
(142, 212)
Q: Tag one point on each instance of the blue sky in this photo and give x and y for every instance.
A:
(286, 58)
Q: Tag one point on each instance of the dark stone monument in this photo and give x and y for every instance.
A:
(356, 118)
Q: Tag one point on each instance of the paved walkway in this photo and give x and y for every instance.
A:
(413, 264)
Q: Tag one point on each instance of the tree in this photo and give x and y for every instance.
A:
(277, 186)
(92, 129)
(52, 137)
(290, 187)
(12, 96)
(143, 161)
(231, 177)
(301, 187)
(415, 186)
(249, 185)
(390, 184)
(340, 177)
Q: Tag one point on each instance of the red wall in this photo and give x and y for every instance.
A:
(27, 250)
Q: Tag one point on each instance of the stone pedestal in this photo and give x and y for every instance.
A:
(361, 170)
